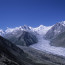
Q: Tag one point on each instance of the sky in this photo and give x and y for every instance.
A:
(14, 13)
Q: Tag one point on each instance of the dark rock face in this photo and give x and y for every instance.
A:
(11, 51)
(55, 30)
(6, 61)
(10, 54)
(59, 40)
(29, 38)
(23, 38)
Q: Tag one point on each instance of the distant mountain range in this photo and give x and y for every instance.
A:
(40, 30)
(24, 35)
(25, 45)
(29, 35)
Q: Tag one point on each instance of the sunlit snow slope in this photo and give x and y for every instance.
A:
(42, 30)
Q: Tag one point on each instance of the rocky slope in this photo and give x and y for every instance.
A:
(55, 30)
(25, 35)
(44, 58)
(56, 35)
(10, 51)
(23, 38)
(59, 41)
(10, 54)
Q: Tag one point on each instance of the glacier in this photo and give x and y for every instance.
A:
(43, 45)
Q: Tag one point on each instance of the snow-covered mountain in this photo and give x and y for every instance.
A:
(14, 30)
(59, 41)
(40, 30)
(25, 35)
(41, 33)
(1, 32)
(56, 30)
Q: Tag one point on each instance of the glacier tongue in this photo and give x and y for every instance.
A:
(43, 45)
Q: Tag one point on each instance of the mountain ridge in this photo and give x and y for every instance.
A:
(55, 30)
(29, 28)
(25, 28)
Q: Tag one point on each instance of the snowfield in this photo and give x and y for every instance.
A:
(43, 45)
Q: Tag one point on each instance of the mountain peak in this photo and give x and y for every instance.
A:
(42, 29)
(41, 26)
(57, 29)
(1, 31)
(63, 23)
(25, 27)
